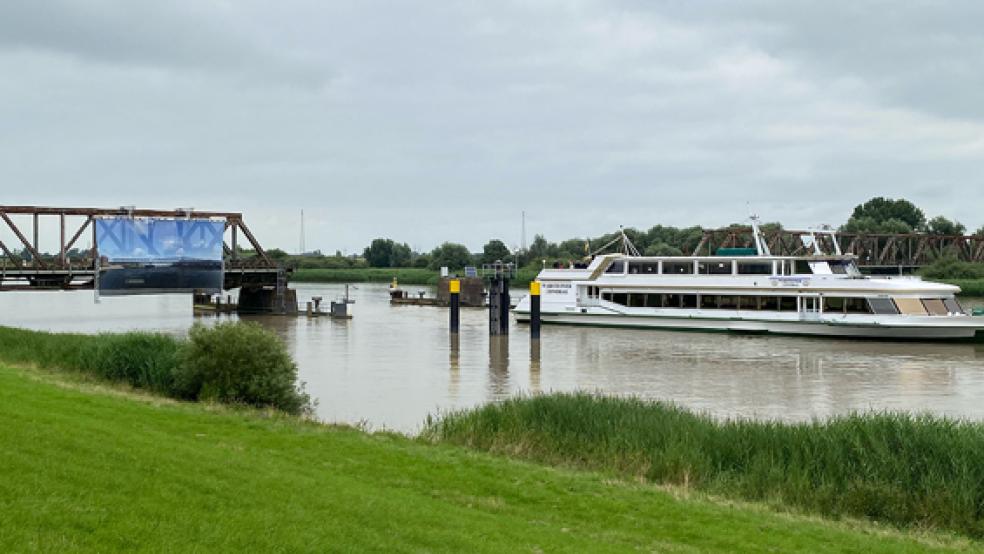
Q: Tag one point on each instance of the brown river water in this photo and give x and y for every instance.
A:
(391, 366)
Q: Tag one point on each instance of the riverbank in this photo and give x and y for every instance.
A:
(92, 468)
(404, 275)
(917, 471)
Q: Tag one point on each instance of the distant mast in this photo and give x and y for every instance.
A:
(522, 239)
(302, 233)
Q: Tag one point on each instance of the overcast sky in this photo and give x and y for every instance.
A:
(438, 121)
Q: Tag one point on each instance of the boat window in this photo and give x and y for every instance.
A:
(618, 266)
(857, 306)
(749, 303)
(708, 302)
(678, 268)
(953, 306)
(655, 300)
(620, 298)
(787, 304)
(637, 300)
(802, 267)
(754, 268)
(688, 301)
(883, 306)
(770, 303)
(935, 306)
(843, 267)
(910, 306)
(833, 305)
(644, 268)
(819, 268)
(714, 268)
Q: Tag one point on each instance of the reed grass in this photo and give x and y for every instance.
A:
(908, 470)
(238, 363)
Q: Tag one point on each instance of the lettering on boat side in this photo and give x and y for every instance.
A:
(556, 288)
(790, 281)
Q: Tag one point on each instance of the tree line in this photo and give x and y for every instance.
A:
(877, 215)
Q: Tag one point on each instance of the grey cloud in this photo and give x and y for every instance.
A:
(444, 121)
(209, 37)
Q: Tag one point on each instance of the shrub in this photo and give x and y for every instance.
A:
(239, 363)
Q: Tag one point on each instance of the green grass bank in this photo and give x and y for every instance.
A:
(905, 470)
(91, 468)
(404, 275)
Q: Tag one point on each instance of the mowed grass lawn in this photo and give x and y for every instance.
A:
(84, 467)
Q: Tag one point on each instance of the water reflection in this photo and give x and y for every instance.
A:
(454, 362)
(393, 365)
(535, 366)
(499, 366)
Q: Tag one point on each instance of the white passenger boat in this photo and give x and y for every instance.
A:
(820, 294)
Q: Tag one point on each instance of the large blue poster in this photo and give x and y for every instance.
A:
(159, 255)
(153, 239)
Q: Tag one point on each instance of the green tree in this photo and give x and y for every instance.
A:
(495, 250)
(378, 253)
(450, 255)
(870, 225)
(574, 248)
(662, 249)
(880, 210)
(401, 255)
(387, 253)
(940, 225)
(541, 249)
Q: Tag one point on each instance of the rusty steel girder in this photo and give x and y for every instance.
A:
(872, 249)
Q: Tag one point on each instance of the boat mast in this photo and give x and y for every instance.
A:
(628, 248)
(760, 245)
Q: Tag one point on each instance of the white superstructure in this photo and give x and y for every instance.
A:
(824, 295)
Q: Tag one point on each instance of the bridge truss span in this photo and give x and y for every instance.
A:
(25, 265)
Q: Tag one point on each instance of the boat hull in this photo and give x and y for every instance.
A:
(816, 328)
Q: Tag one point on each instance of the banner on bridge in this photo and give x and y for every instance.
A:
(159, 255)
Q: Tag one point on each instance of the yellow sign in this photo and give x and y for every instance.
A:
(454, 286)
(535, 288)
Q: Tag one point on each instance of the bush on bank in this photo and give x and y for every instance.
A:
(238, 363)
(231, 362)
(897, 468)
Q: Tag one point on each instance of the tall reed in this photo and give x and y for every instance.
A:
(898, 468)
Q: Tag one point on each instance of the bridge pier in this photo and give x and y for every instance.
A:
(267, 300)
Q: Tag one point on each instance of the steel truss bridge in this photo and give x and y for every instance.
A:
(876, 252)
(67, 269)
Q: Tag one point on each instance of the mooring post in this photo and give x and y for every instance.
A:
(534, 310)
(454, 293)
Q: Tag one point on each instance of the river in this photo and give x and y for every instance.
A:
(391, 366)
